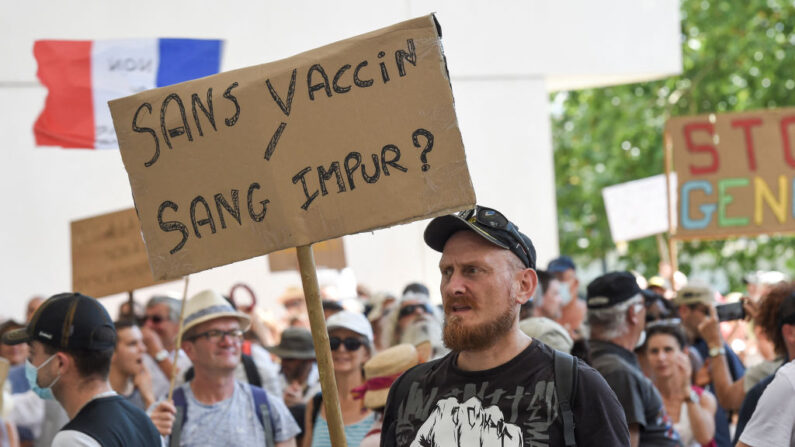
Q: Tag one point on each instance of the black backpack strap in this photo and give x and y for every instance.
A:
(317, 401)
(565, 367)
(182, 415)
(262, 407)
(252, 375)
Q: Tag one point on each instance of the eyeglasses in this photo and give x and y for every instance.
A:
(411, 308)
(351, 343)
(492, 218)
(216, 335)
(156, 319)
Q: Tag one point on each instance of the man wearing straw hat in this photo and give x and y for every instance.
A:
(214, 408)
(497, 386)
(72, 338)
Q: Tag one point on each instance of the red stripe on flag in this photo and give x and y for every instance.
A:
(68, 116)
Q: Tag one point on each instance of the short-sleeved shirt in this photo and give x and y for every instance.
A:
(773, 421)
(736, 370)
(641, 400)
(233, 421)
(514, 404)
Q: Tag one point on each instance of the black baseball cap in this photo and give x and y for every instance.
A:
(68, 321)
(561, 264)
(487, 223)
(611, 289)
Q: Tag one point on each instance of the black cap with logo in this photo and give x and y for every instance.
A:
(487, 223)
(68, 321)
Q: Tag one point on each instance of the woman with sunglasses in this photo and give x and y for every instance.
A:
(351, 340)
(692, 409)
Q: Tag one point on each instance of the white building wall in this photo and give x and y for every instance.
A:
(504, 58)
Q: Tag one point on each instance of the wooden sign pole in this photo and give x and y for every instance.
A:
(174, 369)
(325, 366)
(672, 254)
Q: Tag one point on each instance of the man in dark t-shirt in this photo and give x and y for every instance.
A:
(617, 317)
(71, 338)
(497, 386)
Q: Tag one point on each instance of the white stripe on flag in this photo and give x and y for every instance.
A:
(119, 68)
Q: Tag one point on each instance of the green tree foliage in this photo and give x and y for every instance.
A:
(737, 55)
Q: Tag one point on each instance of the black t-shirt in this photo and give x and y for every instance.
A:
(514, 404)
(641, 400)
(112, 421)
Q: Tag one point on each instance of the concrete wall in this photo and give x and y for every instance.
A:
(504, 58)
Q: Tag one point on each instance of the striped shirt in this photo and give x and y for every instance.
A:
(354, 433)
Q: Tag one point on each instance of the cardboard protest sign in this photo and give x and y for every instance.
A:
(108, 255)
(736, 173)
(329, 254)
(638, 208)
(357, 135)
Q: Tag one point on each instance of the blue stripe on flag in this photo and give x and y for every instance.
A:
(185, 59)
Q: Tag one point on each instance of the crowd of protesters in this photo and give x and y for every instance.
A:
(650, 363)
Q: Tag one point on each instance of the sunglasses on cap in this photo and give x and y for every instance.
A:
(492, 218)
(351, 343)
(411, 308)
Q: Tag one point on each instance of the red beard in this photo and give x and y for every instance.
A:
(459, 338)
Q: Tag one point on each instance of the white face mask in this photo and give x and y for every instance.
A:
(564, 289)
(641, 339)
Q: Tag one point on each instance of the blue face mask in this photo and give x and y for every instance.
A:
(32, 374)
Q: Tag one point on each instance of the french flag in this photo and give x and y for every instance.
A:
(83, 75)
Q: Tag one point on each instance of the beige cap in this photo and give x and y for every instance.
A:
(693, 294)
(548, 332)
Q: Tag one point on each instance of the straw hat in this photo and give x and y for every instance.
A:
(209, 305)
(382, 370)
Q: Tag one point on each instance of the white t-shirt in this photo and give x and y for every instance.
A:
(773, 421)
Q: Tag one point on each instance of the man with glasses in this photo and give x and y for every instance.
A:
(159, 329)
(215, 408)
(695, 304)
(497, 386)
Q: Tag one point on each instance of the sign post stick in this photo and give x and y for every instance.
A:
(131, 304)
(672, 255)
(306, 262)
(174, 371)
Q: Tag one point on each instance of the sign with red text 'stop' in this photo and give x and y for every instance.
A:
(354, 136)
(736, 173)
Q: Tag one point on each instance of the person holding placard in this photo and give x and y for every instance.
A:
(497, 386)
(71, 339)
(215, 408)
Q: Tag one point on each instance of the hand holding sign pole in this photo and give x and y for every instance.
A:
(351, 137)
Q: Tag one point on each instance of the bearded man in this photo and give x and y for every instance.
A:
(497, 386)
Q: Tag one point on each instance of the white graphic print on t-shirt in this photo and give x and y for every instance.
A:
(467, 424)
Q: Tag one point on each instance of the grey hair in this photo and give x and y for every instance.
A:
(174, 305)
(611, 322)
